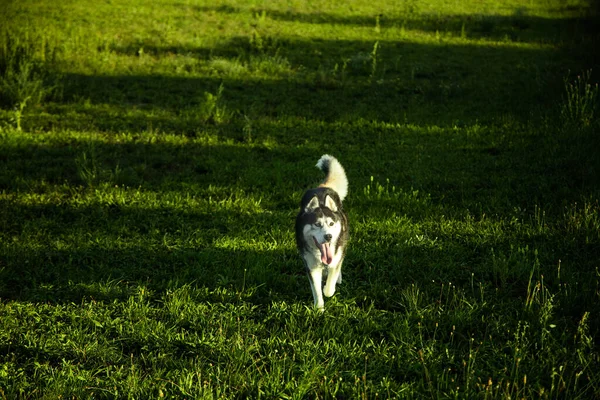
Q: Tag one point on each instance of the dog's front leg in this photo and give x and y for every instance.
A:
(315, 276)
(334, 276)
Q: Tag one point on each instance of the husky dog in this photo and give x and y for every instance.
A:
(322, 229)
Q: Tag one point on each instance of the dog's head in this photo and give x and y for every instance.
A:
(323, 226)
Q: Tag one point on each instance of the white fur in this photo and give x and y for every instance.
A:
(336, 178)
(312, 258)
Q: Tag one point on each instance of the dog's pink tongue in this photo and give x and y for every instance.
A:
(326, 256)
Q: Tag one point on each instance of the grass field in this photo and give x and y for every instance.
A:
(152, 159)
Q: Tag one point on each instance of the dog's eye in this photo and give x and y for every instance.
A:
(331, 223)
(318, 224)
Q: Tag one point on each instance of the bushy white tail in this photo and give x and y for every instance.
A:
(335, 175)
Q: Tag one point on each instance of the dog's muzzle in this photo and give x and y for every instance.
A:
(325, 249)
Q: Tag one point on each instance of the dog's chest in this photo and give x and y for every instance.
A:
(312, 256)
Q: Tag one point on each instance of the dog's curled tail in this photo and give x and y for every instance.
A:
(335, 175)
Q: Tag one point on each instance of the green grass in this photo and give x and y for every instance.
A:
(152, 159)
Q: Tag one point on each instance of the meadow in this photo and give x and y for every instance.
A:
(152, 159)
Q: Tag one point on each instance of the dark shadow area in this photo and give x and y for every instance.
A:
(457, 168)
(333, 80)
(107, 274)
(132, 245)
(518, 27)
(429, 85)
(76, 248)
(191, 168)
(416, 83)
(138, 256)
(153, 47)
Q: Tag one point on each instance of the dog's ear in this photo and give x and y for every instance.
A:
(312, 205)
(329, 203)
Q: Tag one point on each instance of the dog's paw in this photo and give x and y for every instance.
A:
(328, 292)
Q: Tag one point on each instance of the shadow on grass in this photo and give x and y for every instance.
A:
(463, 169)
(74, 246)
(518, 26)
(107, 274)
(107, 253)
(329, 80)
(66, 254)
(319, 112)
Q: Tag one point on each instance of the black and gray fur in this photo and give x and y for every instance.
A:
(322, 230)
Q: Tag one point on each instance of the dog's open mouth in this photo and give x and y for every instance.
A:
(326, 256)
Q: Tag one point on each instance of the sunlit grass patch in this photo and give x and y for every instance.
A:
(146, 213)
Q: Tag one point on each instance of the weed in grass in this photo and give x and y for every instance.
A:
(18, 114)
(262, 44)
(578, 108)
(373, 62)
(228, 67)
(463, 31)
(90, 169)
(332, 78)
(377, 27)
(270, 65)
(87, 166)
(26, 77)
(583, 220)
(513, 268)
(366, 64)
(213, 109)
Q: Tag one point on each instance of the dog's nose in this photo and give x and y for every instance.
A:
(328, 237)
